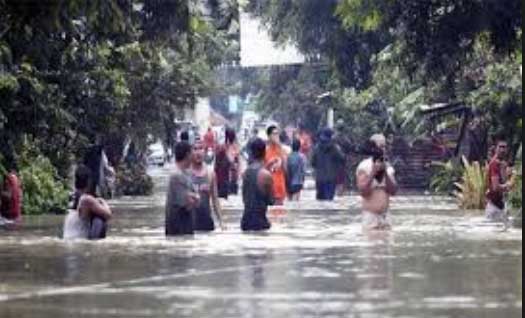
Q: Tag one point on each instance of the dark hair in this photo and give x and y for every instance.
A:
(283, 137)
(296, 144)
(230, 136)
(11, 165)
(258, 149)
(370, 149)
(184, 136)
(83, 177)
(270, 130)
(182, 151)
(497, 138)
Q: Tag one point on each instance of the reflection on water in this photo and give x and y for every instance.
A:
(313, 263)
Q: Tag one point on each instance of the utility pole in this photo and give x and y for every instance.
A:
(326, 100)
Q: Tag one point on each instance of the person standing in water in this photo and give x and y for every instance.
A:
(88, 216)
(376, 184)
(227, 165)
(205, 182)
(275, 161)
(499, 183)
(296, 171)
(326, 161)
(11, 195)
(257, 191)
(233, 152)
(181, 199)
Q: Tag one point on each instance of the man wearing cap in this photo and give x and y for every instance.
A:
(376, 183)
(326, 159)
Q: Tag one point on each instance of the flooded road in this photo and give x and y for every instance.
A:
(315, 262)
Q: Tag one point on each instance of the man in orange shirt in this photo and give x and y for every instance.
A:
(275, 161)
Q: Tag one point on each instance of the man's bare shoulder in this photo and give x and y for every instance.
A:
(265, 173)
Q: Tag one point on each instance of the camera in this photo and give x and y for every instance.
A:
(370, 149)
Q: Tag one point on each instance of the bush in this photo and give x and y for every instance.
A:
(43, 190)
(516, 196)
(445, 175)
(133, 180)
(472, 188)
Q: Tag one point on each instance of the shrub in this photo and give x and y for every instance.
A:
(472, 187)
(445, 175)
(43, 190)
(133, 180)
(516, 196)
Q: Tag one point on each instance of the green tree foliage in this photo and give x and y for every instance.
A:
(388, 56)
(123, 69)
(319, 34)
(44, 190)
(72, 69)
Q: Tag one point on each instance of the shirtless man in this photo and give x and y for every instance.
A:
(376, 183)
(205, 182)
(257, 191)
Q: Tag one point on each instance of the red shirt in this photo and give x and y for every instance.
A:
(496, 169)
(12, 184)
(209, 140)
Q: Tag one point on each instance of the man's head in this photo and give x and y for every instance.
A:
(183, 154)
(198, 153)
(83, 178)
(273, 134)
(326, 135)
(11, 166)
(258, 149)
(502, 147)
(283, 137)
(255, 132)
(380, 141)
(185, 136)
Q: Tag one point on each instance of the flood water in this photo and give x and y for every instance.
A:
(315, 262)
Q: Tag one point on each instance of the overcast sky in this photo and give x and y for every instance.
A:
(258, 50)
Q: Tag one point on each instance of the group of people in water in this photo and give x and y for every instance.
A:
(273, 174)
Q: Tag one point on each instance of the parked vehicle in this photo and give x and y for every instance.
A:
(157, 155)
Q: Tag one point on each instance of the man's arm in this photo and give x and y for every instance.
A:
(338, 154)
(267, 185)
(364, 183)
(496, 186)
(179, 195)
(97, 207)
(390, 181)
(499, 187)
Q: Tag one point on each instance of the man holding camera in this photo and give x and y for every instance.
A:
(376, 183)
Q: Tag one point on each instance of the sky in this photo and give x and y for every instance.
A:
(257, 49)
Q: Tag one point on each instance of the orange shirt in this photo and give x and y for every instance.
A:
(278, 176)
